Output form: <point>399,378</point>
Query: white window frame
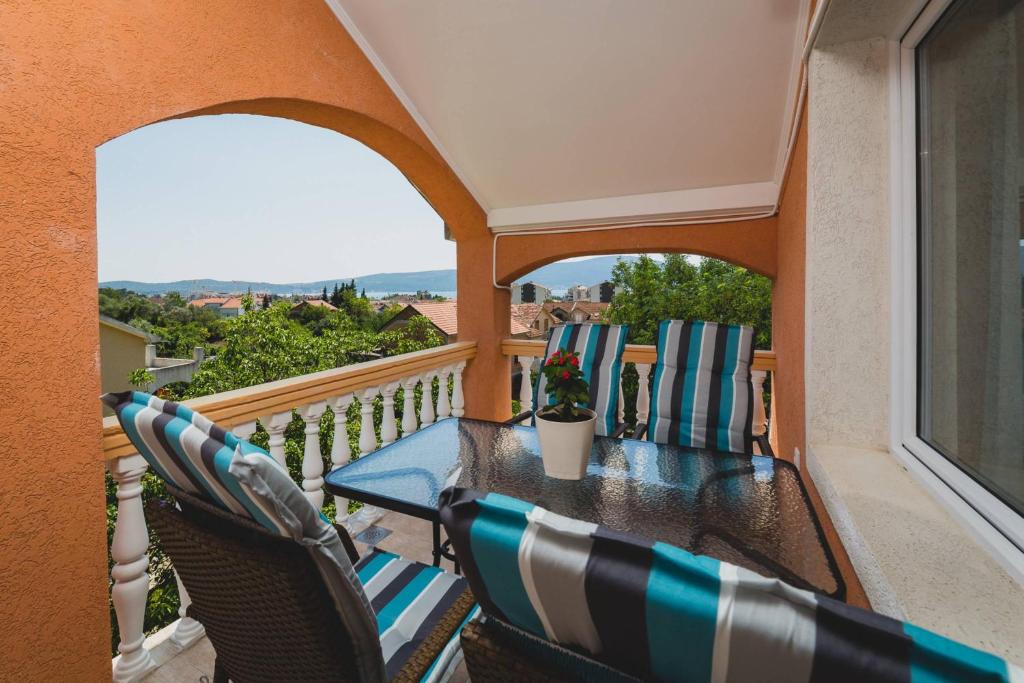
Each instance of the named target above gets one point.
<point>994,524</point>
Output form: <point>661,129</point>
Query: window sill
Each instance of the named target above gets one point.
<point>915,561</point>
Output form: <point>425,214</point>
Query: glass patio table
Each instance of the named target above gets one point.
<point>749,510</point>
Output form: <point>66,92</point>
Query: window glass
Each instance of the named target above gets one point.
<point>971,247</point>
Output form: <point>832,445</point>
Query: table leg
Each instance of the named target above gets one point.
<point>437,543</point>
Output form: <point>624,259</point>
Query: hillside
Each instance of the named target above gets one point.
<point>555,276</point>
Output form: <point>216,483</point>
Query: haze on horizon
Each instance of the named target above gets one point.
<point>240,197</point>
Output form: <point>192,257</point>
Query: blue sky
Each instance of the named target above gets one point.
<point>255,198</point>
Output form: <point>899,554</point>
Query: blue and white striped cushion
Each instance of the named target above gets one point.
<point>660,613</point>
<point>409,599</point>
<point>192,453</point>
<point>600,348</point>
<point>702,396</point>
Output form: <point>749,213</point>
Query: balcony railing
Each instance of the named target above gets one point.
<point>527,354</point>
<point>273,407</point>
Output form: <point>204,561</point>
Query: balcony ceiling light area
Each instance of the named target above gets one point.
<point>583,112</point>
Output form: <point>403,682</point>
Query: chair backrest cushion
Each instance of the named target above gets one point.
<point>600,347</point>
<point>702,396</point>
<point>192,453</point>
<point>658,612</point>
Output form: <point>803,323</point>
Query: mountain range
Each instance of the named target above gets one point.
<point>560,275</point>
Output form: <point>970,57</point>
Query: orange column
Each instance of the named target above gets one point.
<point>483,318</point>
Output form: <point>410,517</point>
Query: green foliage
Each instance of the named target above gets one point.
<point>712,290</point>
<point>678,289</point>
<point>141,378</point>
<point>263,345</point>
<point>566,383</point>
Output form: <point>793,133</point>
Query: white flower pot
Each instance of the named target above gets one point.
<point>565,446</point>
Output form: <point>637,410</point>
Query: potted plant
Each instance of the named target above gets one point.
<point>565,431</point>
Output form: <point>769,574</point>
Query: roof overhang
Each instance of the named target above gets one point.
<point>597,112</point>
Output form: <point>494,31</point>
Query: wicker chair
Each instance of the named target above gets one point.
<point>497,653</point>
<point>263,603</point>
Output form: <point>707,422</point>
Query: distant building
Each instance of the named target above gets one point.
<point>576,312</point>
<point>578,293</point>
<point>225,306</point>
<point>124,348</point>
<point>444,315</point>
<point>315,303</point>
<point>530,293</point>
<point>602,292</point>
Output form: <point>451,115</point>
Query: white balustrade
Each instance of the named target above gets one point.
<point>275,425</point>
<point>409,405</point>
<point>444,408</point>
<point>458,400</point>
<point>131,538</point>
<point>427,402</point>
<point>131,581</point>
<point>757,378</point>
<point>367,436</point>
<point>643,393</point>
<point>312,460</point>
<point>622,403</point>
<point>188,629</point>
<point>388,428</point>
<point>525,385</point>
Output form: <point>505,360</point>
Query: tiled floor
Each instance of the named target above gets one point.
<point>409,537</point>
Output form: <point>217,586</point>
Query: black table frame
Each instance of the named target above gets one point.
<point>443,549</point>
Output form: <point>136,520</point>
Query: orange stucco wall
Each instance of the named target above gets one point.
<point>751,244</point>
<point>74,75</point>
<point>788,306</point>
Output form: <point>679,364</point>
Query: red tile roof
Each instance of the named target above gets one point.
<point>444,314</point>
<point>316,302</point>
<point>219,300</point>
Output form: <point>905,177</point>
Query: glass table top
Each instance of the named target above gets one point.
<point>746,509</point>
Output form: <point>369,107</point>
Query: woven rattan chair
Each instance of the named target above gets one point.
<point>263,603</point>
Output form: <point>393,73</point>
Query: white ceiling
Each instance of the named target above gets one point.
<point>655,108</point>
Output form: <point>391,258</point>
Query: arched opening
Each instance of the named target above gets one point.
<point>641,290</point>
<point>235,250</point>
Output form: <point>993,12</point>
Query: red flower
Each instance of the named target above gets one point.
<point>575,361</point>
<point>565,375</point>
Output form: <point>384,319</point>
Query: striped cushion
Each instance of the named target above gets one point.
<point>409,599</point>
<point>702,395</point>
<point>657,612</point>
<point>600,348</point>
<point>193,454</point>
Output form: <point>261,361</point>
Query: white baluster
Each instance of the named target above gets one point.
<point>244,430</point>
<point>312,460</point>
<point>388,426</point>
<point>341,452</point>
<point>409,405</point>
<point>444,408</point>
<point>275,425</point>
<point>458,400</point>
<point>622,402</point>
<point>188,629</point>
<point>131,582</point>
<point>643,394</point>
<point>525,386</point>
<point>367,437</point>
<point>757,378</point>
<point>427,404</point>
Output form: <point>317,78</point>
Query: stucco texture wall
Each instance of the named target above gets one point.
<point>74,75</point>
<point>848,297</point>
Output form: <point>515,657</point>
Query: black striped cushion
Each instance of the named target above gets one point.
<point>409,599</point>
<point>702,396</point>
<point>600,348</point>
<point>193,454</point>
<point>660,613</point>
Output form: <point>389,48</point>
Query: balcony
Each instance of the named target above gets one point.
<point>180,650</point>
<point>770,135</point>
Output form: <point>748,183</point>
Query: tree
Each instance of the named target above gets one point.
<point>324,295</point>
<point>712,290</point>
<point>266,300</point>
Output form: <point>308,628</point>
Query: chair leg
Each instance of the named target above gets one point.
<point>220,675</point>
